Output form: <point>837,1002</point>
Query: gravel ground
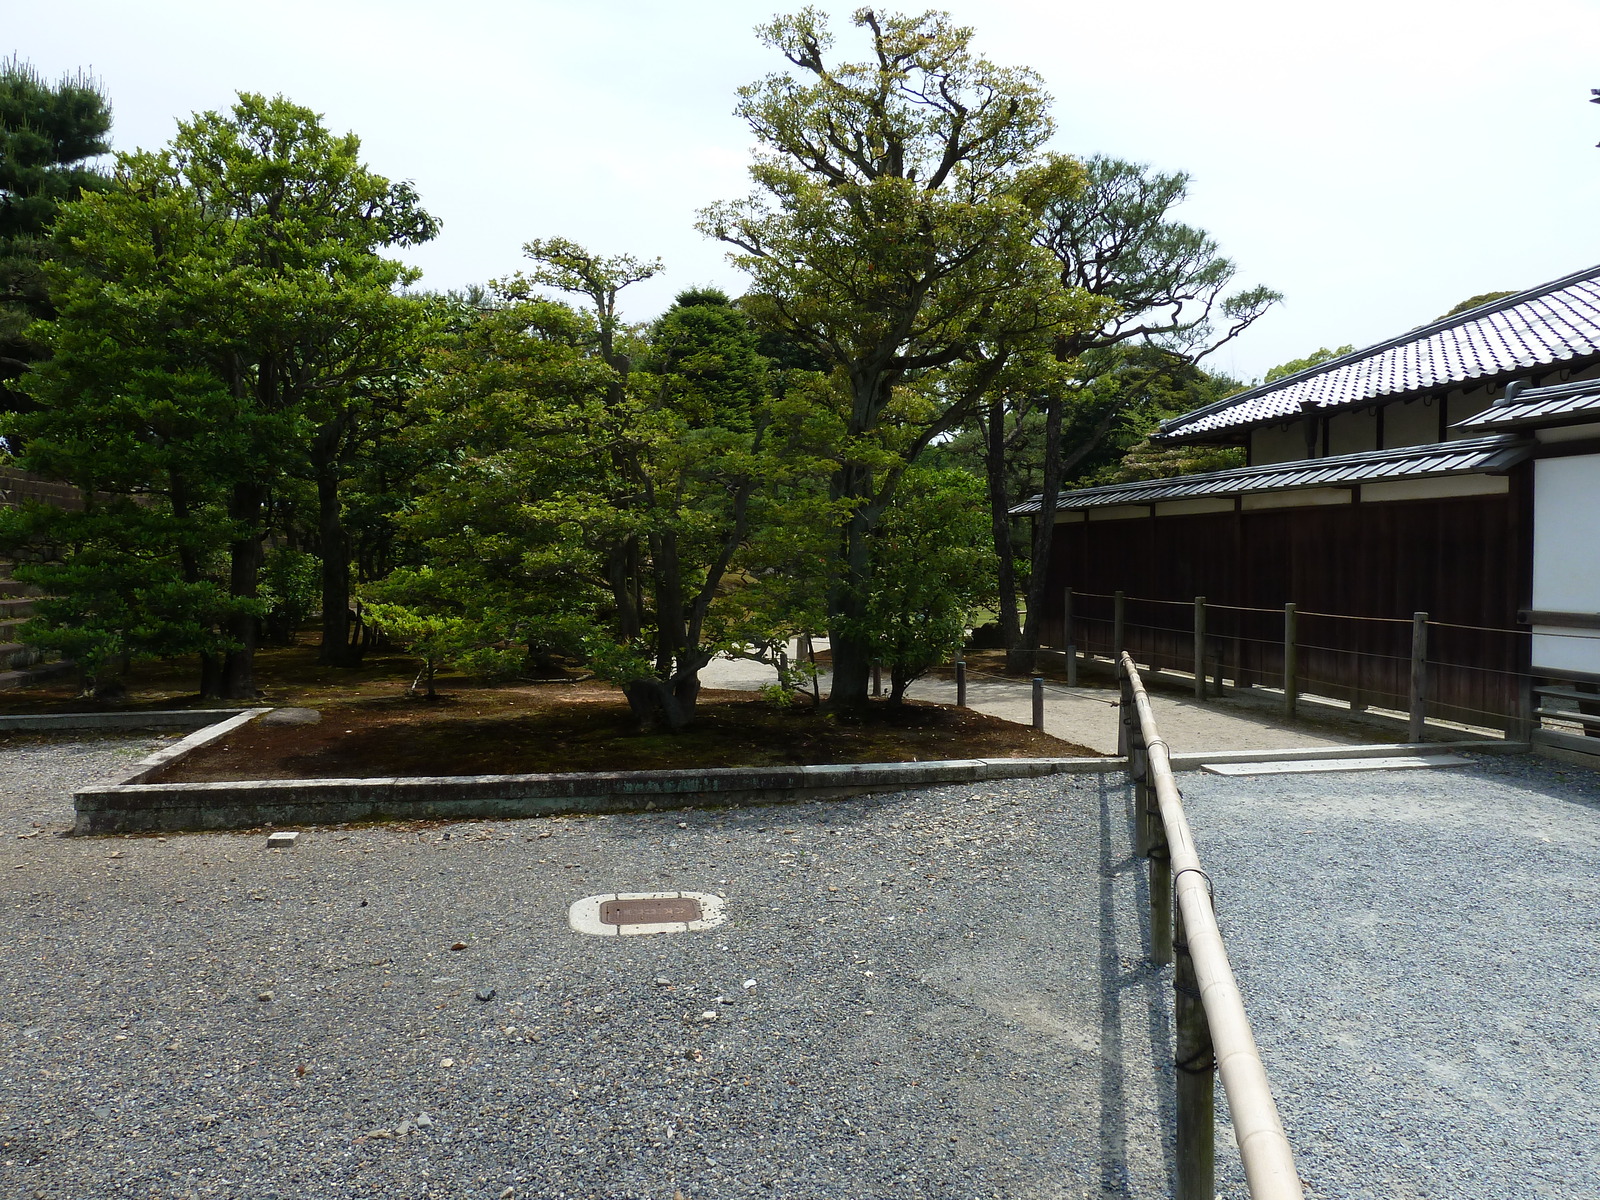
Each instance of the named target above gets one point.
<point>948,1002</point>
<point>1419,952</point>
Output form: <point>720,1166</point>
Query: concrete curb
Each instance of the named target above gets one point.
<point>193,718</point>
<point>247,804</point>
<point>1193,762</point>
<point>178,751</point>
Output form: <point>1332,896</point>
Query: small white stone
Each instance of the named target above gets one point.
<point>708,1016</point>
<point>423,1121</point>
<point>447,1062</point>
<point>749,983</point>
<point>282,840</point>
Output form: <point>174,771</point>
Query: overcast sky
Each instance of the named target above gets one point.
<point>1377,161</point>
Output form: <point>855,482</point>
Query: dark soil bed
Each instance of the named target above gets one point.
<point>587,727</point>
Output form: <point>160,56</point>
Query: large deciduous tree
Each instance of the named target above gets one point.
<point>888,236</point>
<point>227,299</point>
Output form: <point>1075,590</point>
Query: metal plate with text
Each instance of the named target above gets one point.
<point>649,912</point>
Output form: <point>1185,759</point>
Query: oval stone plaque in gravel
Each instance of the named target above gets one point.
<point>621,914</point>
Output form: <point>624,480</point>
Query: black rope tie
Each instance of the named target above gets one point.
<point>1203,1063</point>
<point>1211,891</point>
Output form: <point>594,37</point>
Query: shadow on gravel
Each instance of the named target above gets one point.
<point>1122,983</point>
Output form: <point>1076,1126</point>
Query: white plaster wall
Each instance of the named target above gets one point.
<point>1352,432</point>
<point>1278,443</point>
<point>1410,423</point>
<point>1566,558</point>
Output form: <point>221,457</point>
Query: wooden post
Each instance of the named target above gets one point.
<point>1291,664</point>
<point>1523,722</point>
<point>961,683</point>
<point>1072,665</point>
<point>877,679</point>
<point>1160,857</point>
<point>1199,647</point>
<point>1119,623</point>
<point>1124,714</point>
<point>1419,675</point>
<point>1038,701</point>
<point>1196,1062</point>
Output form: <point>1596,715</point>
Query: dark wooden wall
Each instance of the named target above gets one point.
<point>1463,561</point>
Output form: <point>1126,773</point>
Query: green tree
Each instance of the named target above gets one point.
<point>933,569</point>
<point>1470,303</point>
<point>888,236</point>
<point>49,136</point>
<point>1111,232</point>
<point>225,302</point>
<point>1295,365</point>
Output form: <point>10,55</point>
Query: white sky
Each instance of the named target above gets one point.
<point>1375,161</point>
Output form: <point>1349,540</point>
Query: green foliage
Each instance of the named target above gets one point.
<point>221,306</point>
<point>889,236</point>
<point>933,570</point>
<point>49,134</point>
<point>289,592</point>
<point>1295,365</point>
<point>1472,302</point>
<point>413,607</point>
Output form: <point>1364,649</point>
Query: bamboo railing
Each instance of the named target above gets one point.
<point>1213,1034</point>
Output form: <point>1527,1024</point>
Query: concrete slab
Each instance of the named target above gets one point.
<point>1304,766</point>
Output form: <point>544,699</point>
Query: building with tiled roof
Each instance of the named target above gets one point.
<point>1453,470</point>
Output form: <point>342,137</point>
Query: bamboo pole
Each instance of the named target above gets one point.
<point>1291,661</point>
<point>1199,647</point>
<point>1195,1063</point>
<point>1268,1161</point>
<point>1419,676</point>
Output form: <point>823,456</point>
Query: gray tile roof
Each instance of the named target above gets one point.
<point>1553,324</point>
<point>1559,404</point>
<point>1465,457</point>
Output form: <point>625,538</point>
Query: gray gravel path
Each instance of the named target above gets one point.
<point>949,1002</point>
<point>1419,952</point>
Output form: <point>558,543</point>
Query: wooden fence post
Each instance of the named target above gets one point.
<point>1199,647</point>
<point>1119,625</point>
<point>961,683</point>
<point>1072,666</point>
<point>1038,701</point>
<point>1196,1062</point>
<point>1419,676</point>
<point>1291,664</point>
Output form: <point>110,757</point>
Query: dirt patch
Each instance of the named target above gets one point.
<point>587,727</point>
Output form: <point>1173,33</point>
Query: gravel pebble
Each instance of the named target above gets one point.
<point>967,1015</point>
<point>1418,955</point>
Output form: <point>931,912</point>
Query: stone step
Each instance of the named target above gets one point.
<point>16,607</point>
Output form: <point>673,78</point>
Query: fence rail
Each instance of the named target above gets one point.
<point>1213,1035</point>
<point>1477,675</point>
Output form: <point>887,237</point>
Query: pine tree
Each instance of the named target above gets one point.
<point>49,136</point>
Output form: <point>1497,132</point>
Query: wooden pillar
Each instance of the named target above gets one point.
<point>1419,676</point>
<point>1199,647</point>
<point>1038,701</point>
<point>961,683</point>
<point>1160,882</point>
<point>1196,1063</point>
<point>1291,664</point>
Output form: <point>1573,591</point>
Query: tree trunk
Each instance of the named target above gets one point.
<point>338,648</point>
<point>210,676</point>
<point>1000,523</point>
<point>654,705</point>
<point>244,580</point>
<point>847,611</point>
<point>1020,658</point>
